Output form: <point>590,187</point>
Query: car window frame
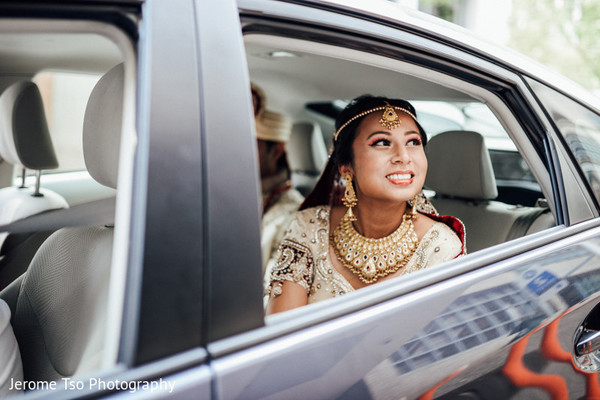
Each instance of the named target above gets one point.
<point>325,30</point>
<point>166,274</point>
<point>116,25</point>
<point>232,201</point>
<point>239,360</point>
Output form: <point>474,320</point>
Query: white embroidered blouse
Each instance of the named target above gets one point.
<point>304,256</point>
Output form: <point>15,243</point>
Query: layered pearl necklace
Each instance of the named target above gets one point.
<point>371,259</point>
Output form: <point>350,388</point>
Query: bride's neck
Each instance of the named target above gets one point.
<point>377,221</point>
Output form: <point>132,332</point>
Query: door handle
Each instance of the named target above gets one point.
<point>586,349</point>
<point>588,342</point>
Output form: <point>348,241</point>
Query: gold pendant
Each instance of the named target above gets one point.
<point>390,118</point>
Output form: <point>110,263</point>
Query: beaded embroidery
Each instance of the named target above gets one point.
<point>295,264</point>
<point>319,277</point>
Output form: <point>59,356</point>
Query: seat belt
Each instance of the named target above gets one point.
<point>97,212</point>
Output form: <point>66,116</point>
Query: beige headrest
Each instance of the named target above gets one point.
<point>102,127</point>
<point>24,135</point>
<point>460,166</point>
<point>273,126</point>
<point>306,148</point>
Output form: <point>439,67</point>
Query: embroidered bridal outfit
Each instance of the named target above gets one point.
<point>304,256</point>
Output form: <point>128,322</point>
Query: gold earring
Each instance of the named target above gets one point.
<point>414,204</point>
<point>349,199</point>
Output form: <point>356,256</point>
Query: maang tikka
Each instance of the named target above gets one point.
<point>349,199</point>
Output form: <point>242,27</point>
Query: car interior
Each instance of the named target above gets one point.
<point>27,145</point>
<point>67,95</point>
<point>477,171</point>
<point>83,254</point>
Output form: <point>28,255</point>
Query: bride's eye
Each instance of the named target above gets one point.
<point>414,142</point>
<point>379,142</point>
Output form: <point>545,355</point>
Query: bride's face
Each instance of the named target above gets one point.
<point>389,164</point>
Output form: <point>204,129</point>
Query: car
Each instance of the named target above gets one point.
<point>144,278</point>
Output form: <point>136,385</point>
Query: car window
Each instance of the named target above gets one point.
<point>580,129</point>
<point>309,88</point>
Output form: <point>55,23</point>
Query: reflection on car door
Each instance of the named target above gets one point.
<point>502,329</point>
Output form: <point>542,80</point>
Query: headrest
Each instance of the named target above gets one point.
<point>24,136</point>
<point>102,127</point>
<point>273,126</point>
<point>306,148</point>
<point>460,166</point>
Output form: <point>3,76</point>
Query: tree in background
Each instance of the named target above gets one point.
<point>562,34</point>
<point>440,8</point>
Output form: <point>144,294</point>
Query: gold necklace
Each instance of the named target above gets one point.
<point>371,259</point>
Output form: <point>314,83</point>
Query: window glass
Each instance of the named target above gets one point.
<point>580,127</point>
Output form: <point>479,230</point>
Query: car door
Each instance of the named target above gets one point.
<point>152,284</point>
<point>499,323</point>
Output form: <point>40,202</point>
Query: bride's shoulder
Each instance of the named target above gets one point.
<point>318,215</point>
<point>423,224</point>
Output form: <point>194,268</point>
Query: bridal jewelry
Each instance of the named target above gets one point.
<point>349,199</point>
<point>389,118</point>
<point>422,204</point>
<point>371,259</point>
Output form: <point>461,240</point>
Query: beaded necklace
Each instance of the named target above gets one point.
<point>371,259</point>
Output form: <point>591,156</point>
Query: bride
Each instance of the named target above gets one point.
<point>380,226</point>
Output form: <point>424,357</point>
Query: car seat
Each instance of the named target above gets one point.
<point>461,174</point>
<point>59,304</point>
<point>307,155</point>
<point>24,142</point>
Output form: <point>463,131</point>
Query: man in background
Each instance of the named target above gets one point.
<point>280,200</point>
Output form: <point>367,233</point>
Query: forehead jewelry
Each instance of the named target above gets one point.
<point>389,118</point>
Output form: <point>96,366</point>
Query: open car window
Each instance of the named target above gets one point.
<point>311,83</point>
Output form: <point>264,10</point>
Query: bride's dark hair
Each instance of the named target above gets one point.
<point>329,190</point>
